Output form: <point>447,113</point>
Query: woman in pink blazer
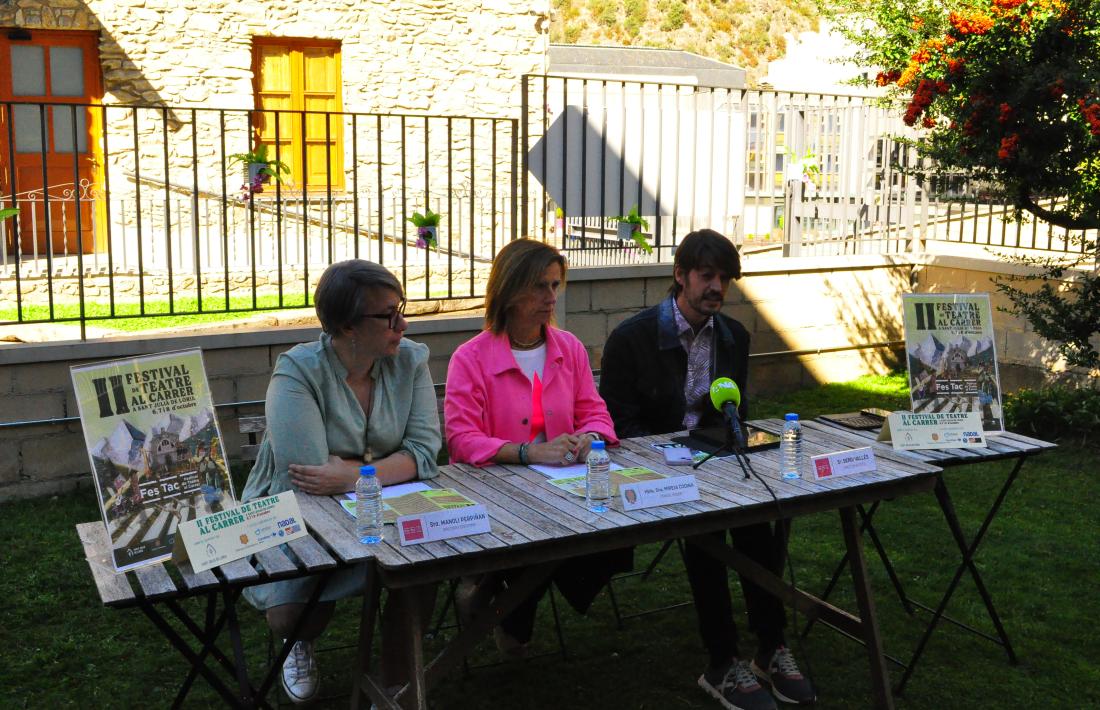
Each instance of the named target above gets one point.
<point>521,392</point>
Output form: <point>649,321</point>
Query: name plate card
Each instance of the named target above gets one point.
<point>663,491</point>
<point>234,533</point>
<point>442,524</point>
<point>936,430</point>
<point>843,463</point>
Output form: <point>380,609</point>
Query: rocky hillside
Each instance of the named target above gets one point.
<point>747,33</point>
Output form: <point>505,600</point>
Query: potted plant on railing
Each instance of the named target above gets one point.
<point>258,168</point>
<point>633,226</point>
<point>427,228</point>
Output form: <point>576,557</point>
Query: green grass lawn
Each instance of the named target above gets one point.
<point>60,648</point>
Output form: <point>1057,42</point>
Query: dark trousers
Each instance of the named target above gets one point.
<point>579,579</point>
<point>709,579</point>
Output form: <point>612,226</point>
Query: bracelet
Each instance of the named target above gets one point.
<point>523,453</point>
<point>595,435</point>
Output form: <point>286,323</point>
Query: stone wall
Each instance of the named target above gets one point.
<point>802,314</point>
<point>455,59</point>
<point>461,57</point>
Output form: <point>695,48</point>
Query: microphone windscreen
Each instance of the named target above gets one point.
<point>724,390</point>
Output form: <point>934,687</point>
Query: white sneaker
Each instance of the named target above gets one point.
<point>300,677</point>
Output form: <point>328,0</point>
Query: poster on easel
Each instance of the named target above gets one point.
<point>155,449</point>
<point>952,356</point>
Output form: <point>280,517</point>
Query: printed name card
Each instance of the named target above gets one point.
<point>843,463</point>
<point>935,430</point>
<point>234,533</point>
<point>663,491</point>
<point>442,524</point>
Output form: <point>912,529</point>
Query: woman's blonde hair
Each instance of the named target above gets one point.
<point>516,268</point>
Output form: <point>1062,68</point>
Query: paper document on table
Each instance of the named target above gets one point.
<point>575,485</point>
<point>578,469</point>
<point>397,490</point>
<point>421,501</point>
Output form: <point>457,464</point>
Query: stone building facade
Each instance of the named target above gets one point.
<point>180,83</point>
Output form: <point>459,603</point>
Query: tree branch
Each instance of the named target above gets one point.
<point>1058,219</point>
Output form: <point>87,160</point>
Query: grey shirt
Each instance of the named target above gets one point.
<point>312,413</point>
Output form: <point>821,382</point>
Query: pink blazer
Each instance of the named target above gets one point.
<point>488,401</point>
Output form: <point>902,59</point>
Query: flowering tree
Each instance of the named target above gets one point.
<point>1007,91</point>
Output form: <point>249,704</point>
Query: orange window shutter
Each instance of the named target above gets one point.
<point>275,78</point>
<point>321,92</point>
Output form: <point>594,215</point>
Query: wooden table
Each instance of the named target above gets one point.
<point>536,526</point>
<point>1014,449</point>
<point>153,590</point>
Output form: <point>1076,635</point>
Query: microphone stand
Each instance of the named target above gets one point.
<point>730,447</point>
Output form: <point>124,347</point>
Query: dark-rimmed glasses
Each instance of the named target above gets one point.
<point>391,317</point>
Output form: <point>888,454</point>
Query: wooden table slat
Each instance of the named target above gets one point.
<point>275,563</point>
<point>155,582</point>
<point>238,572</point>
<point>334,536</point>
<point>532,525</point>
<point>311,554</point>
<point>114,589</point>
<point>196,581</point>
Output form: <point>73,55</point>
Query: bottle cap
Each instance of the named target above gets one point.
<point>366,470</point>
<point>597,446</point>
<point>791,417</point>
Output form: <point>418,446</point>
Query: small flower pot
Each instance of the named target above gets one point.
<point>257,177</point>
<point>428,235</point>
<point>626,231</point>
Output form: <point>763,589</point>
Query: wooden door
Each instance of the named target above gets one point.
<point>48,138</point>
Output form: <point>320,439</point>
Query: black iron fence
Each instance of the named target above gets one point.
<point>129,211</point>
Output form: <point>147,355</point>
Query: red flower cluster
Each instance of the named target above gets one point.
<point>1091,112</point>
<point>1006,114</point>
<point>1009,146</point>
<point>1005,6</point>
<point>975,23</point>
<point>885,78</point>
<point>922,99</point>
<point>928,122</point>
<point>1057,89</point>
<point>955,66</point>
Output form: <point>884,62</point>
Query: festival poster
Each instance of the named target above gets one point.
<point>155,449</point>
<point>952,357</point>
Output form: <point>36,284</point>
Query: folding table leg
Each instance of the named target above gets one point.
<point>968,550</point>
<point>367,622</point>
<point>196,661</point>
<point>866,526</point>
<point>853,540</point>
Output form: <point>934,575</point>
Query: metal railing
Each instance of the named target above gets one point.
<point>153,213</point>
<point>146,211</point>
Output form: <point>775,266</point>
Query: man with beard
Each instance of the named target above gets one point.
<point>655,378</point>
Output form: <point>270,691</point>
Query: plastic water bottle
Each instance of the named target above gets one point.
<point>597,488</point>
<point>368,507</point>
<point>790,448</point>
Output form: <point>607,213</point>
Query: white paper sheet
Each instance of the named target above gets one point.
<point>578,469</point>
<point>398,490</point>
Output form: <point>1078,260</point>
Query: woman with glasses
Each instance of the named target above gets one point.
<point>521,392</point>
<point>360,394</point>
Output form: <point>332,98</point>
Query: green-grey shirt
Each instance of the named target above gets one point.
<point>312,413</point>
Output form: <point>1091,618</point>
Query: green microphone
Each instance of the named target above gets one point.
<point>726,397</point>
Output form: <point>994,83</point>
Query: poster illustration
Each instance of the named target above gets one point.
<point>155,449</point>
<point>951,355</point>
